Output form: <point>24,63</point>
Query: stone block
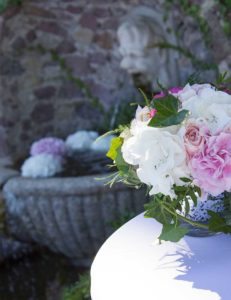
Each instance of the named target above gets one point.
<point>79,64</point>
<point>10,67</point>
<point>88,20</point>
<point>37,11</point>
<point>104,40</point>
<point>69,90</point>
<point>45,92</point>
<point>73,9</point>
<point>83,36</point>
<point>42,113</point>
<point>66,47</point>
<point>52,27</point>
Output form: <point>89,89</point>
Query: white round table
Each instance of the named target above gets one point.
<point>131,265</point>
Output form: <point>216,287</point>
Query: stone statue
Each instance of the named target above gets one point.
<point>140,35</point>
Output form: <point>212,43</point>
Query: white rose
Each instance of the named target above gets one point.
<point>143,114</point>
<point>42,165</point>
<point>207,105</point>
<point>159,157</point>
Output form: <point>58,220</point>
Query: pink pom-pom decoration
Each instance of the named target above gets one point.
<point>49,145</point>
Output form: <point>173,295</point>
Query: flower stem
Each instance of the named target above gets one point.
<point>197,224</point>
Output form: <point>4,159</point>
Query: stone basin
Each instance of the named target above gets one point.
<point>73,216</point>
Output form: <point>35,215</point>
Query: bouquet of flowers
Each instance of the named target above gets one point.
<point>179,146</point>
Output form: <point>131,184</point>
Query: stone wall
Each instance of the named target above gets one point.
<point>38,99</point>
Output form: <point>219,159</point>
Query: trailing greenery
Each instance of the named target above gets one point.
<point>80,290</point>
<point>193,10</point>
<point>225,11</point>
<point>122,220</point>
<point>5,3</point>
<point>200,64</point>
<point>84,88</point>
<point>119,113</point>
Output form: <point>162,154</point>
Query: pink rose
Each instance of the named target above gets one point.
<point>227,128</point>
<point>211,168</point>
<point>195,138</point>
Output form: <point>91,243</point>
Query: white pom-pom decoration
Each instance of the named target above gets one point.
<point>102,144</point>
<point>81,140</point>
<point>42,165</point>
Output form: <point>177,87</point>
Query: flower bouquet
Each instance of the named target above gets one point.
<point>179,146</point>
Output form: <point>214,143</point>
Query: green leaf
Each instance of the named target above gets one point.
<point>187,206</point>
<point>172,233</point>
<point>180,188</point>
<point>115,144</point>
<point>167,105</point>
<point>122,166</point>
<point>217,223</point>
<point>155,210</point>
<point>185,179</point>
<point>197,190</point>
<point>167,112</point>
<point>193,196</point>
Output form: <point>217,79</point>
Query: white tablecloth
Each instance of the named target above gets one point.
<point>131,265</point>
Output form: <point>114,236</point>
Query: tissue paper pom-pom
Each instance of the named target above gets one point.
<point>102,144</point>
<point>42,165</point>
<point>81,140</point>
<point>49,145</point>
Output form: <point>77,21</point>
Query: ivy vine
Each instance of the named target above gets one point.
<point>4,4</point>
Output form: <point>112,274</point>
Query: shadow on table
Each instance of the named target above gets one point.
<point>207,264</point>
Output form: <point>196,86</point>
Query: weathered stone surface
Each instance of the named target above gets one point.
<point>38,11</point>
<point>66,47</point>
<point>88,20</point>
<point>5,174</point>
<point>73,216</point>
<point>74,9</point>
<point>79,64</point>
<point>31,36</point>
<point>19,44</point>
<point>45,92</point>
<point>111,23</point>
<point>42,113</point>
<point>83,36</point>
<point>52,27</point>
<point>97,58</point>
<point>104,40</point>
<point>10,67</point>
<point>100,12</point>
<point>69,90</point>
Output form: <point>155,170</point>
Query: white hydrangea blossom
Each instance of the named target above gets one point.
<point>42,165</point>
<point>102,144</point>
<point>159,158</point>
<point>81,140</point>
